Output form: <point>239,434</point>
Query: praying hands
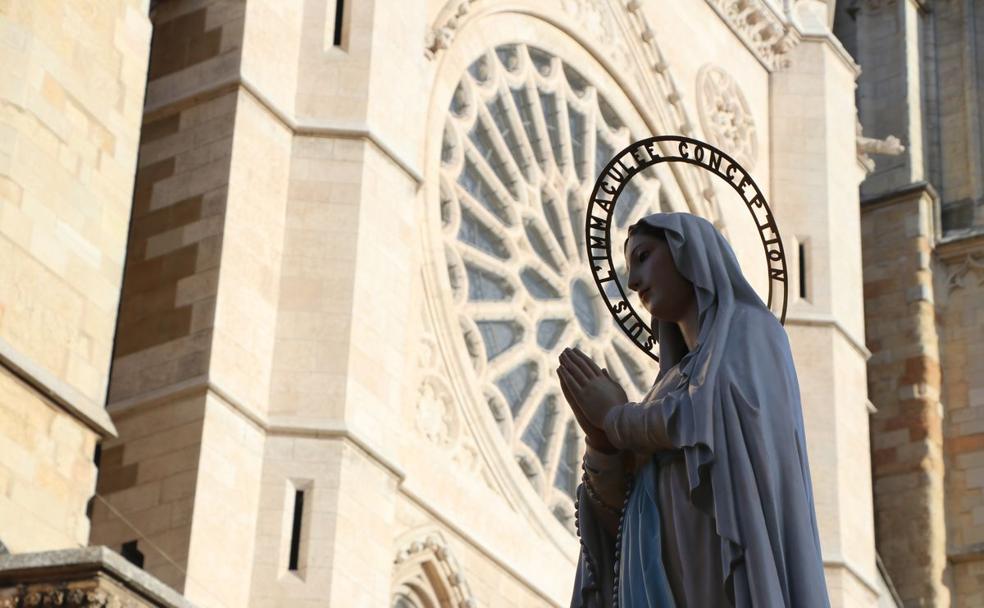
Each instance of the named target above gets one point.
<point>591,394</point>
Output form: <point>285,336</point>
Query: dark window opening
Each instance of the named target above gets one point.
<point>96,458</point>
<point>295,534</point>
<point>132,554</point>
<point>339,10</point>
<point>802,270</point>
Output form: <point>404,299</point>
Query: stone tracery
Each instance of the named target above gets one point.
<point>525,137</point>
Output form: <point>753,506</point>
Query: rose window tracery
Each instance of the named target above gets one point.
<point>525,138</point>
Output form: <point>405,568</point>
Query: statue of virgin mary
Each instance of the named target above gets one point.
<point>700,495</point>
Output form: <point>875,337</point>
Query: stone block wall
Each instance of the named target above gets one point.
<point>167,312</point>
<point>904,383</point>
<point>959,154</point>
<point>147,480</point>
<point>960,284</point>
<point>46,470</point>
<point>70,105</point>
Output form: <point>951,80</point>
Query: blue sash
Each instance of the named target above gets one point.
<point>642,577</point>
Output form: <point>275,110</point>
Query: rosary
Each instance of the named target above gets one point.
<point>618,537</point>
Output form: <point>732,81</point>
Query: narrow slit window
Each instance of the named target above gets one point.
<point>802,271</point>
<point>339,22</point>
<point>295,533</point>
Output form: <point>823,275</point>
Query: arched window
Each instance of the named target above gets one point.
<point>426,575</point>
<point>525,138</point>
<point>404,599</point>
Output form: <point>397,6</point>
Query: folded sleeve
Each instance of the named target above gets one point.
<point>638,427</point>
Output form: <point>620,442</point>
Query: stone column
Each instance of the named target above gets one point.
<point>904,383</point>
<point>815,179</point>
<point>195,337</point>
<point>262,341</point>
<point>348,308</point>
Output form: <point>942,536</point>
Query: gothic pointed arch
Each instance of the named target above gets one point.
<point>427,575</point>
<point>526,107</point>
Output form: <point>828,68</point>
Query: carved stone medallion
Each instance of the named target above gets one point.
<point>725,115</point>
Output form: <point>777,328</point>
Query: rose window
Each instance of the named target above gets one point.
<point>525,139</point>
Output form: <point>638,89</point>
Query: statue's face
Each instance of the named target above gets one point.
<point>665,293</point>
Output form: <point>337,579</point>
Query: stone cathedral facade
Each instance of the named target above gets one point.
<point>283,284</point>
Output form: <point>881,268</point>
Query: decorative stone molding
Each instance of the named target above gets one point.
<point>446,26</point>
<point>595,19</point>
<point>434,407</point>
<point>469,460</point>
<point>63,596</point>
<point>668,104</point>
<point>436,414</point>
<point>725,115</point>
<point>766,34</point>
<point>965,272</point>
<point>426,569</point>
<point>90,577</point>
<point>436,417</point>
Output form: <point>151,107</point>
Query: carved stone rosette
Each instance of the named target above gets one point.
<point>725,115</point>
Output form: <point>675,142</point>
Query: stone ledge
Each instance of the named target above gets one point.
<point>904,193</point>
<point>48,573</point>
<point>51,388</point>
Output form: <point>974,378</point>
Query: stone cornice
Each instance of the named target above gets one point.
<point>853,570</point>
<point>270,425</point>
<point>961,244</point>
<point>838,49</point>
<point>52,388</point>
<point>973,552</point>
<point>297,126</point>
<point>827,320</point>
<point>767,34</point>
<point>904,193</point>
<point>92,563</point>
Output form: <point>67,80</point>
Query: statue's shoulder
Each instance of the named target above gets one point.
<point>757,319</point>
<point>754,332</point>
